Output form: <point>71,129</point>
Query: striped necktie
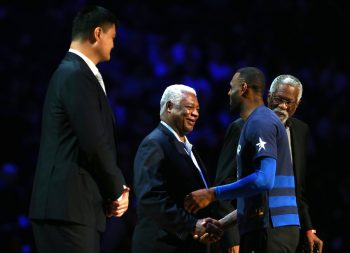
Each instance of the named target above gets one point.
<point>100,80</point>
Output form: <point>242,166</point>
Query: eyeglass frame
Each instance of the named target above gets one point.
<point>277,100</point>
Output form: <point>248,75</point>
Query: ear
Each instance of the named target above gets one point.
<point>244,88</point>
<point>169,106</point>
<point>97,33</point>
<point>268,97</point>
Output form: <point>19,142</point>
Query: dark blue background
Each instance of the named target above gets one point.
<point>201,44</point>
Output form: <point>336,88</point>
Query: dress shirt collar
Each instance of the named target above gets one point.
<point>187,144</point>
<point>91,65</point>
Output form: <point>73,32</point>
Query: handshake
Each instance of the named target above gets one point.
<point>208,230</point>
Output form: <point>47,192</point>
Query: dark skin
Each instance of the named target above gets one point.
<point>243,99</point>
<point>182,118</point>
<point>284,102</point>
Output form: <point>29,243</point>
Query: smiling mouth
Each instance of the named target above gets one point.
<point>191,121</point>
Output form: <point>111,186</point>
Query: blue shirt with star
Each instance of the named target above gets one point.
<point>263,135</point>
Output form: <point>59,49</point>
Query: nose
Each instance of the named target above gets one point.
<point>283,105</point>
<point>195,113</point>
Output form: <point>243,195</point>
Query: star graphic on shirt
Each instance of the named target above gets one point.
<point>261,144</point>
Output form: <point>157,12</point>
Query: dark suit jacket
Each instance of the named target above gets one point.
<point>77,165</point>
<point>163,175</point>
<point>226,172</point>
<point>299,133</point>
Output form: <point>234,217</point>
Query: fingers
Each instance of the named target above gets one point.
<point>213,221</point>
<point>117,210</point>
<point>203,236</point>
<point>190,204</point>
<point>206,238</point>
<point>319,246</point>
<point>214,230</point>
<point>125,193</point>
<point>196,200</point>
<point>120,212</point>
<point>233,249</point>
<point>207,232</point>
<point>118,207</point>
<point>311,247</point>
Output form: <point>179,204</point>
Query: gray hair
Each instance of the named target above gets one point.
<point>289,80</point>
<point>173,93</point>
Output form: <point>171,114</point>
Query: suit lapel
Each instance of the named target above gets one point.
<point>181,150</point>
<point>201,165</point>
<point>294,137</point>
<point>103,100</point>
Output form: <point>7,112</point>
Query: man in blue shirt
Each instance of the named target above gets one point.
<point>266,205</point>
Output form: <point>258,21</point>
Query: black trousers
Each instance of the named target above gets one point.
<point>64,237</point>
<point>271,240</point>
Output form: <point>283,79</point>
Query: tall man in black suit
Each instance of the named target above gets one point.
<point>166,169</point>
<point>284,97</point>
<point>77,180</point>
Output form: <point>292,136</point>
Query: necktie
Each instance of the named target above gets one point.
<point>100,80</point>
<point>290,143</point>
<point>190,149</point>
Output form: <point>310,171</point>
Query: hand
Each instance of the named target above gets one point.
<point>314,242</point>
<point>199,199</point>
<point>233,249</point>
<point>208,231</point>
<point>118,207</point>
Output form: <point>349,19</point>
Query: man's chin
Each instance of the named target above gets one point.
<point>283,119</point>
<point>189,129</point>
<point>234,110</point>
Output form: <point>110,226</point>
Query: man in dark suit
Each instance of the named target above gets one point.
<point>166,168</point>
<point>284,97</point>
<point>77,181</point>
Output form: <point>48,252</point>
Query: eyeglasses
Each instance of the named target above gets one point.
<point>278,100</point>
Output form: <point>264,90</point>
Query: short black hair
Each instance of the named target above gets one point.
<point>89,18</point>
<point>254,77</point>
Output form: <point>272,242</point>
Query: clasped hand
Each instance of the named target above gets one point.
<point>208,231</point>
<point>199,199</point>
<point>118,207</point>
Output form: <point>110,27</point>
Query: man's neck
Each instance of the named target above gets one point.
<point>249,107</point>
<point>85,48</point>
<point>181,137</point>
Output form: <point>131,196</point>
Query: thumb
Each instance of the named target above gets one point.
<point>126,189</point>
<point>124,193</point>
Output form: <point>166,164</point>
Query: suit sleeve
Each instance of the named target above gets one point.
<point>305,218</point>
<point>81,100</point>
<point>151,189</point>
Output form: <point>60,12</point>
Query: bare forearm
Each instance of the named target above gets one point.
<point>229,220</point>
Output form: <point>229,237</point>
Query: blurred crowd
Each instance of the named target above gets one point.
<point>198,43</point>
